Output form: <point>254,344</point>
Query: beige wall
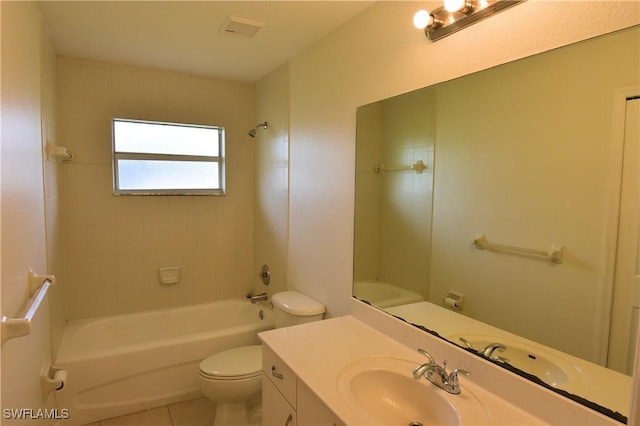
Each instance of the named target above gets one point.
<point>114,245</point>
<point>26,97</point>
<point>271,168</point>
<point>328,83</point>
<point>529,179</point>
<point>367,199</point>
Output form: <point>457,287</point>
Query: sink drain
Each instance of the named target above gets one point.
<point>415,424</point>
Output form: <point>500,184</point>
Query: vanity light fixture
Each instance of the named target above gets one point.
<point>455,15</point>
<point>461,6</point>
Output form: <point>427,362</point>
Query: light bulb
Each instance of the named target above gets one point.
<point>422,19</point>
<point>454,5</point>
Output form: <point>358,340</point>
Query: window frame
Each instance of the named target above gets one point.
<point>118,155</point>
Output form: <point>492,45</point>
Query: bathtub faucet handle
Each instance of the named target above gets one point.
<point>257,298</point>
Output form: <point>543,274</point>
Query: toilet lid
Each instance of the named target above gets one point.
<point>236,363</point>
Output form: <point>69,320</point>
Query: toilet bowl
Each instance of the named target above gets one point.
<point>233,378</point>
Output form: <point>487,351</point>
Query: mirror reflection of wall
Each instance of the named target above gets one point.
<point>522,153</point>
<point>394,205</point>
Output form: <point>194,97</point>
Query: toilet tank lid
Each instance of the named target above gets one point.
<point>297,303</point>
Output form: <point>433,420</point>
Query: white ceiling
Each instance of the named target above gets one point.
<point>185,35</point>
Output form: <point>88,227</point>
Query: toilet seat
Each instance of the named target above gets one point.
<point>239,363</point>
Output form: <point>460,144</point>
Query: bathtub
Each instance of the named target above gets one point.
<point>127,363</point>
<point>384,295</point>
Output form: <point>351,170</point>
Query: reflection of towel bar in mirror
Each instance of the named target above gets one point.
<point>417,167</point>
<point>553,255</point>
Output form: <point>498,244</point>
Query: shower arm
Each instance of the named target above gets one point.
<point>264,125</point>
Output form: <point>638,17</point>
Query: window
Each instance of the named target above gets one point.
<point>157,158</point>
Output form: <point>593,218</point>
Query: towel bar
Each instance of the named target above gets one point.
<point>553,255</point>
<point>17,327</point>
<point>417,167</point>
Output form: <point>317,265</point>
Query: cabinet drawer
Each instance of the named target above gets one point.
<point>276,411</point>
<point>279,374</point>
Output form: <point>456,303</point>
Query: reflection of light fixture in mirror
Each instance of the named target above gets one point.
<point>456,15</point>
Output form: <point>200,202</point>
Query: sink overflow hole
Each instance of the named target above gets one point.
<point>532,356</point>
<point>415,424</point>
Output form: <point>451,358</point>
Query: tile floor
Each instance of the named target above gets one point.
<point>195,412</point>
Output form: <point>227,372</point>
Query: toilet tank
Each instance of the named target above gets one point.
<point>293,308</point>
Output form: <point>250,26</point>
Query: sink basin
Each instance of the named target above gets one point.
<point>531,361</point>
<point>547,367</point>
<point>384,391</point>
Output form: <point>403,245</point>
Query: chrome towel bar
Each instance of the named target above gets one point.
<point>17,327</point>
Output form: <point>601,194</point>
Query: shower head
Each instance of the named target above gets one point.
<point>252,132</point>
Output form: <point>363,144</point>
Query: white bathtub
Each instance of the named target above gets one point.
<point>127,363</point>
<point>384,295</point>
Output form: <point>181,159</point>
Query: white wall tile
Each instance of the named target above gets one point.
<point>127,238</point>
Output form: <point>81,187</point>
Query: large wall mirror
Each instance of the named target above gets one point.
<point>500,210</point>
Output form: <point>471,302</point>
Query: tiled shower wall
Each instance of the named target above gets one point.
<point>271,202</point>
<point>114,245</point>
<point>393,209</point>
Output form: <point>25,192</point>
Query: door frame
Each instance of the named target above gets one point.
<point>616,154</point>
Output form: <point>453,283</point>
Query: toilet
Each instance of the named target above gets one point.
<point>233,379</point>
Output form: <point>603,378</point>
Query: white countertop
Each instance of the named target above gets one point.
<point>582,374</point>
<point>318,351</point>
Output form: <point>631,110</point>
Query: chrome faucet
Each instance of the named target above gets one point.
<point>491,348</point>
<point>488,350</point>
<point>421,370</point>
<point>257,297</point>
<point>437,374</point>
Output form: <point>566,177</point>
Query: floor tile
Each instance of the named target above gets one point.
<point>155,417</point>
<point>195,412</point>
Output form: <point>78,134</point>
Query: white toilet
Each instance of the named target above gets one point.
<point>232,378</point>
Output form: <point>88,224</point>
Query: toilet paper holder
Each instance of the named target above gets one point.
<point>52,378</point>
<point>453,300</point>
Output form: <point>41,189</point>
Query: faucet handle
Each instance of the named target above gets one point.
<point>461,371</point>
<point>453,377</point>
<point>454,383</point>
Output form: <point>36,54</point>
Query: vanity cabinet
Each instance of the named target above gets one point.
<point>278,391</point>
<point>276,410</point>
<point>287,401</point>
<point>312,411</point>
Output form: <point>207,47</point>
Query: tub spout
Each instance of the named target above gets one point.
<point>257,297</point>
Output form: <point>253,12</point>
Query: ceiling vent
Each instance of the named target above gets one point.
<point>241,26</point>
